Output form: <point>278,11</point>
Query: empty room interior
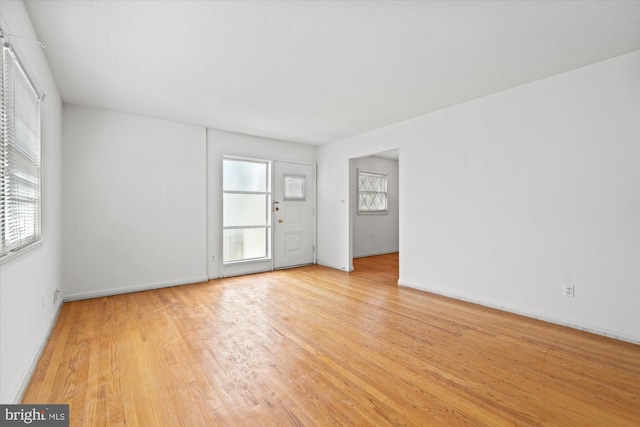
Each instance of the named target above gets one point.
<point>355,213</point>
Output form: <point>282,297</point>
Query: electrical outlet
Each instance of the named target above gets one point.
<point>568,290</point>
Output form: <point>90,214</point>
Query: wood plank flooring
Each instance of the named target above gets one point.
<point>318,347</point>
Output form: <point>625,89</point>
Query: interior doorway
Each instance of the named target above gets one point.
<point>374,226</point>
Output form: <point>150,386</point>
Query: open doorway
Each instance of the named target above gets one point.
<point>374,200</point>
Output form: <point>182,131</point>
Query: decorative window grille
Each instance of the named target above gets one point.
<point>372,192</point>
<point>20,199</point>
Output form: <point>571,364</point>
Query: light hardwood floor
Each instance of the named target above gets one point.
<point>313,346</point>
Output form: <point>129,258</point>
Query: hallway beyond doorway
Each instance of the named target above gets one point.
<point>381,269</point>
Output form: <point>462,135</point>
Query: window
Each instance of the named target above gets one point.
<point>19,156</point>
<point>372,192</point>
<point>295,187</point>
<point>246,217</point>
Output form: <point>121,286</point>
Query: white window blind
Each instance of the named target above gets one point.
<point>19,156</point>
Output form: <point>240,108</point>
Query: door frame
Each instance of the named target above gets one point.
<point>240,268</point>
<point>353,194</point>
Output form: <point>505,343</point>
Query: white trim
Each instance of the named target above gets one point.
<point>516,310</point>
<point>134,288</point>
<point>16,396</point>
<point>334,266</point>
<point>17,253</point>
<point>384,212</point>
<point>207,248</point>
<point>374,253</point>
<point>15,47</point>
<point>254,266</point>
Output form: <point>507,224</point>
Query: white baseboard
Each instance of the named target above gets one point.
<point>16,396</point>
<point>375,253</point>
<point>336,267</point>
<point>134,288</point>
<point>517,310</point>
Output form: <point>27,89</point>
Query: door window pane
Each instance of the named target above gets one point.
<point>294,187</point>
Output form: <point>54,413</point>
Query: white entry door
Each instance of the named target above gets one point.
<point>293,214</point>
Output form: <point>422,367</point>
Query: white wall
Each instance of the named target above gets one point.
<point>505,198</point>
<point>375,234</point>
<point>32,278</point>
<point>219,144</point>
<point>134,203</point>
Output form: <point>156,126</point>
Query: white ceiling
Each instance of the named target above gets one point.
<point>316,71</point>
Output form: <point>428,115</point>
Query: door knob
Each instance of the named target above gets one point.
<point>280,221</point>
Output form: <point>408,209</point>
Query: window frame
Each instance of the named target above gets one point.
<point>17,238</point>
<point>385,193</point>
<point>267,226</point>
